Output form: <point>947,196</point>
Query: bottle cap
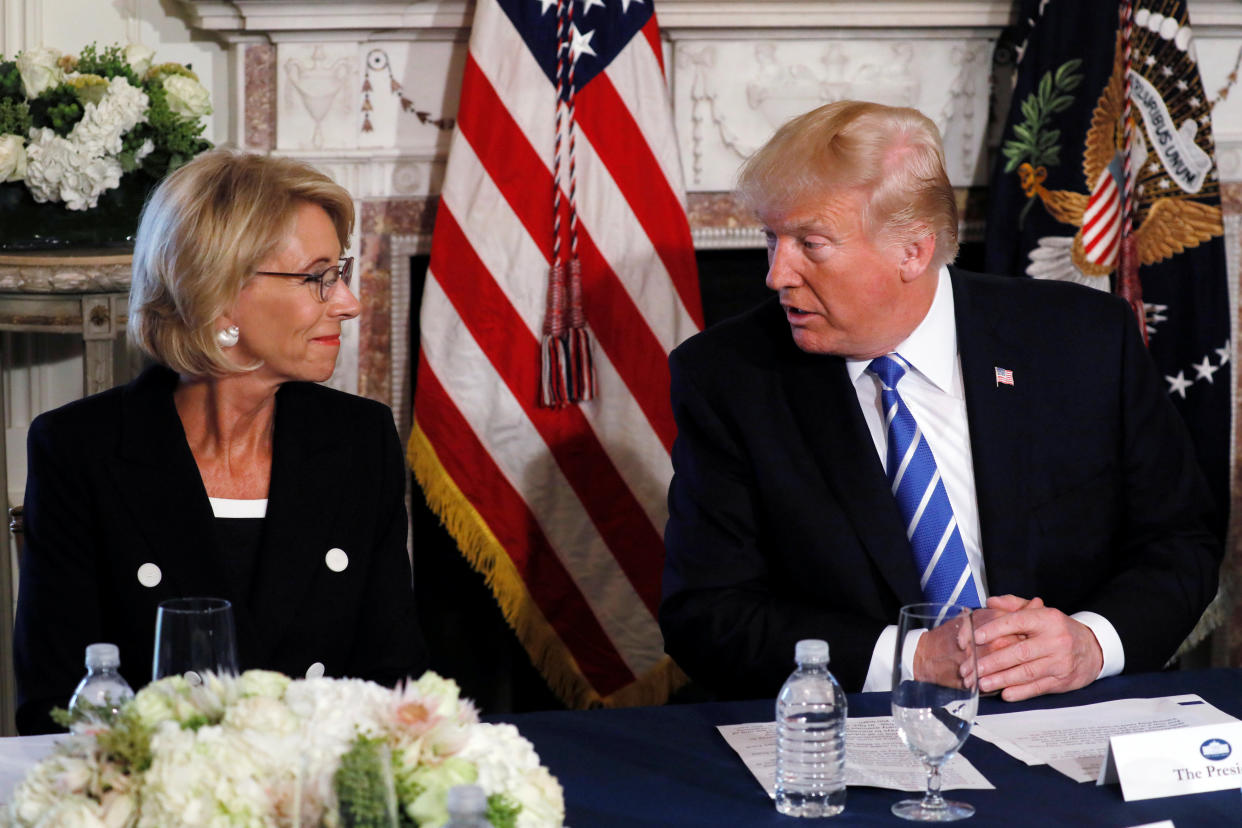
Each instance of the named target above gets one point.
<point>102,655</point>
<point>811,651</point>
<point>466,800</point>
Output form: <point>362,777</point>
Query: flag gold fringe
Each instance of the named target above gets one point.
<point>484,552</point>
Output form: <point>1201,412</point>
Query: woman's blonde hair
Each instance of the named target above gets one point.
<point>203,232</point>
<point>892,156</point>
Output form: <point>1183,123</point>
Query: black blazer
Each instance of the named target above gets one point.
<point>782,525</point>
<point>112,485</point>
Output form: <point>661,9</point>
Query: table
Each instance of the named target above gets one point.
<point>668,766</point>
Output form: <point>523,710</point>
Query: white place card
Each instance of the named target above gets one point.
<point>1175,762</point>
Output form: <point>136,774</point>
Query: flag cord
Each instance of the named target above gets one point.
<point>567,373</point>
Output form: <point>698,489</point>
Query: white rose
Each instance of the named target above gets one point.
<point>187,96</point>
<point>438,693</point>
<point>39,70</point>
<point>12,158</point>
<point>139,58</point>
<point>259,682</point>
<point>153,705</point>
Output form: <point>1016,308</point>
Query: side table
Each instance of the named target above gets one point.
<point>83,293</point>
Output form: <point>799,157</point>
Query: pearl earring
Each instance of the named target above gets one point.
<point>227,337</point>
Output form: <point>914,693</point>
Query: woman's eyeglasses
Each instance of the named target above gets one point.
<point>342,271</point>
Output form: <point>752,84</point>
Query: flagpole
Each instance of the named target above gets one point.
<point>1129,287</point>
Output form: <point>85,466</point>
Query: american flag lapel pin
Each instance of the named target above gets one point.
<point>1004,376</point>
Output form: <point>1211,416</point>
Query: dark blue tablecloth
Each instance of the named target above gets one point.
<point>669,766</point>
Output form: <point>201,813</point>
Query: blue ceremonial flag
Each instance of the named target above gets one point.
<point>1058,192</point>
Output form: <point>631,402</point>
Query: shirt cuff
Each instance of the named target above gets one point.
<point>1110,643</point>
<point>880,672</point>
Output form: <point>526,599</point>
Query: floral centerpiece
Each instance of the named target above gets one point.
<point>263,750</point>
<point>84,139</point>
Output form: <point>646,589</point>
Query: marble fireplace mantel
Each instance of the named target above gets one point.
<point>736,68</point>
<point>283,16</point>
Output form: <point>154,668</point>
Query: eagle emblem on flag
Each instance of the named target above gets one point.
<point>1171,165</point>
<point>1118,86</point>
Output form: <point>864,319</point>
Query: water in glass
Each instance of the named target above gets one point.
<point>935,698</point>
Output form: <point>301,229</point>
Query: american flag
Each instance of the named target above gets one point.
<point>563,509</point>
<point>1004,376</point>
<point>1101,221</point>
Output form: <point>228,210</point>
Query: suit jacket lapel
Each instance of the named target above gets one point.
<point>825,406</point>
<point>307,468</point>
<point>999,418</point>
<point>159,482</point>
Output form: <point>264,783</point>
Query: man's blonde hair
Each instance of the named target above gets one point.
<point>203,233</point>
<point>891,156</point>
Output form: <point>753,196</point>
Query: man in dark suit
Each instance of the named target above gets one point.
<point>1076,504</point>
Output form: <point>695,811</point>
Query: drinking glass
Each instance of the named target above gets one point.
<point>935,698</point>
<point>194,636</point>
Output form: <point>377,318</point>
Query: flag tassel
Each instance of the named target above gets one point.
<point>555,374</point>
<point>581,364</point>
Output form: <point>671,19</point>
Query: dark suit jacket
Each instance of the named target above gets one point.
<point>112,485</point>
<point>782,525</point>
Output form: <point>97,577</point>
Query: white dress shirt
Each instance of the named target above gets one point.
<point>934,392</point>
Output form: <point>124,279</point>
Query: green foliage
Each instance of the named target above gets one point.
<point>177,139</point>
<point>1036,141</point>
<point>121,736</point>
<point>110,63</point>
<point>14,117</point>
<point>11,81</point>
<point>502,812</point>
<point>58,108</point>
<point>128,741</point>
<point>407,790</point>
<point>363,784</point>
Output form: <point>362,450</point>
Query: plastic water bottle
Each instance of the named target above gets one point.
<point>467,807</point>
<point>103,686</point>
<point>810,741</point>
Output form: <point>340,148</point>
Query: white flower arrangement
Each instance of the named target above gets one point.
<point>262,750</point>
<point>72,127</point>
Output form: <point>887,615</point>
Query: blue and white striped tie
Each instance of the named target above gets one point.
<point>944,570</point>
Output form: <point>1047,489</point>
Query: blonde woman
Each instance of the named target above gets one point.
<point>224,470</point>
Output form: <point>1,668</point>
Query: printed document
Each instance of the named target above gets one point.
<point>874,757</point>
<point>1074,740</point>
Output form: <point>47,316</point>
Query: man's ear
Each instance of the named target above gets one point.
<point>916,256</point>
